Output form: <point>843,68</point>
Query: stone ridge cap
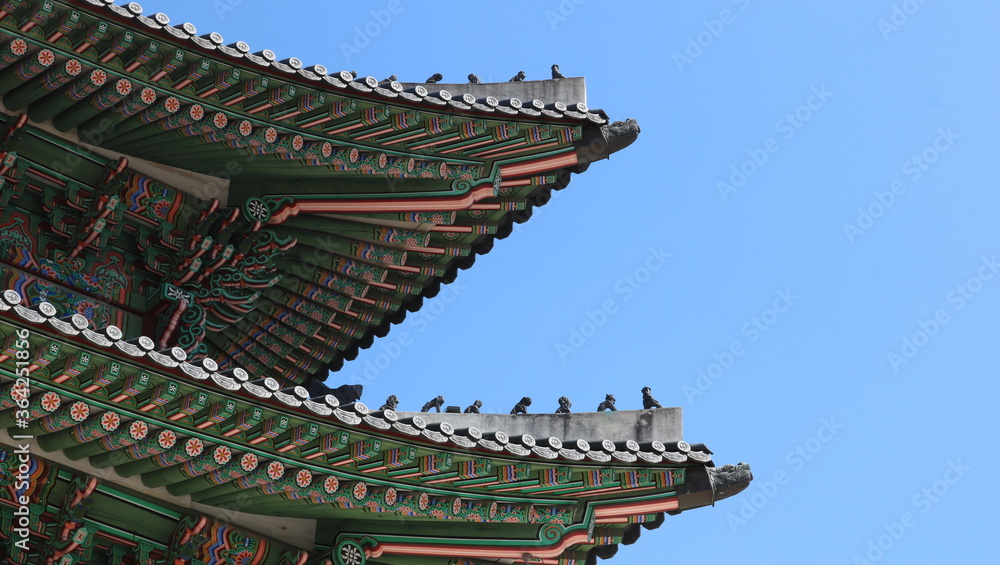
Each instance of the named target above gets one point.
<point>427,428</point>
<point>422,94</point>
<point>662,424</point>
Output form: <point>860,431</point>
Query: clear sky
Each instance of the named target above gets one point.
<point>800,250</point>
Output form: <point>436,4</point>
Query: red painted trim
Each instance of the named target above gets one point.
<point>480,551</point>
<point>567,159</point>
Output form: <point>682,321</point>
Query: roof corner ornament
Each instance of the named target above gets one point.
<point>522,406</point>
<point>520,76</point>
<point>564,405</point>
<point>729,480</point>
<point>345,394</point>
<point>434,78</point>
<point>613,138</point>
<point>390,403</point>
<point>556,73</point>
<point>608,404</point>
<point>474,407</point>
<point>435,403</point>
<point>647,399</point>
<point>473,79</point>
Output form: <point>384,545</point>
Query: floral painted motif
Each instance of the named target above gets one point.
<point>73,67</point>
<point>303,478</point>
<point>424,502</point>
<point>20,391</point>
<point>391,496</point>
<point>138,430</point>
<point>275,470</point>
<point>194,447</point>
<point>18,47</point>
<point>248,462</point>
<point>245,127</point>
<point>360,490</point>
<point>220,120</point>
<point>331,484</point>
<point>197,112</point>
<point>50,401</point>
<point>160,208</point>
<point>148,95</point>
<point>110,421</point>
<point>98,77</point>
<point>297,142</point>
<point>172,104</point>
<point>79,411</point>
<point>123,86</point>
<point>271,135</point>
<point>166,439</point>
<point>327,149</point>
<point>222,455</point>
<point>86,309</point>
<point>46,57</point>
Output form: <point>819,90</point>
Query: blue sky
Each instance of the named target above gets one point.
<point>815,186</point>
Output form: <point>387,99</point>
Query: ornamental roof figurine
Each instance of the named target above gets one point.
<point>564,405</point>
<point>434,78</point>
<point>556,73</point>
<point>390,78</point>
<point>518,77</point>
<point>435,403</point>
<point>522,406</point>
<point>647,399</point>
<point>608,404</point>
<point>474,407</point>
<point>390,403</point>
<point>473,79</point>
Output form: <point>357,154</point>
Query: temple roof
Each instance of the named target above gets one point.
<point>193,234</point>
<point>305,212</point>
<point>227,437</point>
